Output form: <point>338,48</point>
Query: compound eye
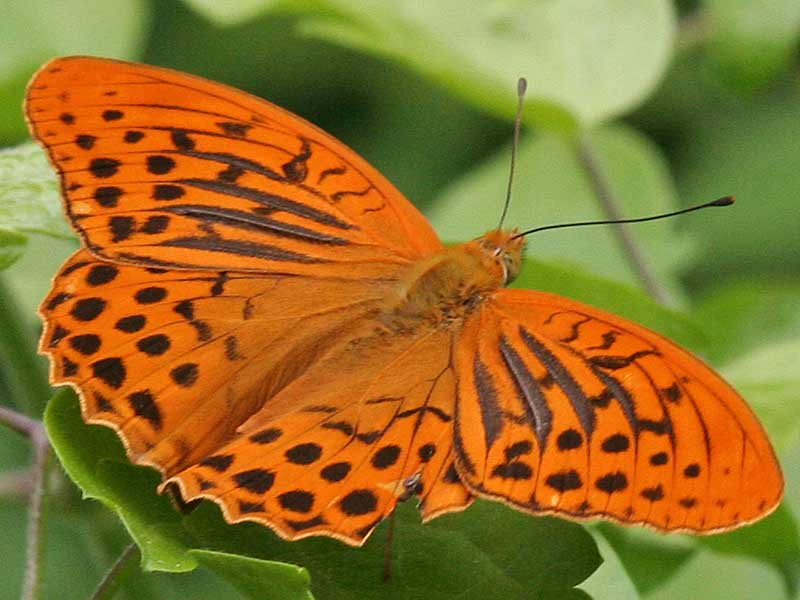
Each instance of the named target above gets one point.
<point>511,267</point>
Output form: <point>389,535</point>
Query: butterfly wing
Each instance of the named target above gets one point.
<point>364,428</point>
<point>164,169</point>
<point>563,408</point>
<point>176,360</point>
<point>232,252</point>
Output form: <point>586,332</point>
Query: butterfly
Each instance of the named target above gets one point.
<point>264,319</point>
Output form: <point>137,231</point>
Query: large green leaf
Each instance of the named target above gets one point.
<point>34,31</point>
<point>649,558</point>
<point>231,12</point>
<point>712,576</point>
<point>774,541</point>
<point>94,460</point>
<point>487,551</point>
<point>736,150</point>
<point>769,378</point>
<point>29,195</point>
<point>751,42</point>
<point>586,61</point>
<point>250,575</point>
<point>12,247</point>
<point>611,580</point>
<point>741,315</point>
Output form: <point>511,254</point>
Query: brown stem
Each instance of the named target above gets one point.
<point>113,578</point>
<point>608,201</point>
<point>17,484</point>
<point>35,431</point>
<point>19,422</point>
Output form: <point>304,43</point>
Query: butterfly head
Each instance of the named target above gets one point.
<point>502,250</point>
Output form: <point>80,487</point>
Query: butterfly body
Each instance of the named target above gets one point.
<point>444,288</point>
<point>266,320</point>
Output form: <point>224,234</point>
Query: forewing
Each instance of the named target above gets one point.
<point>160,168</point>
<point>563,408</point>
<point>174,360</point>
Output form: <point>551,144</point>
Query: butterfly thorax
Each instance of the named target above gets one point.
<point>445,287</point>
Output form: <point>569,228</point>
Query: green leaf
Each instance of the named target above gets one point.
<point>255,578</point>
<point>37,30</point>
<point>12,246</point>
<point>744,314</point>
<point>649,558</point>
<point>585,62</point>
<point>552,187</point>
<point>712,576</point>
<point>773,540</point>
<point>231,12</point>
<point>29,196</point>
<point>752,42</point>
<point>487,551</point>
<point>93,459</point>
<point>611,580</point>
<point>768,377</point>
<point>741,151</point>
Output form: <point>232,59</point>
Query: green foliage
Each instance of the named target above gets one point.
<point>480,53</point>
<point>676,110</point>
<point>35,30</point>
<point>752,42</point>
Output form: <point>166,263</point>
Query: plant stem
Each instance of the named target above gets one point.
<point>115,575</point>
<point>25,371</point>
<point>16,485</point>
<point>587,156</point>
<point>35,431</point>
<point>18,422</point>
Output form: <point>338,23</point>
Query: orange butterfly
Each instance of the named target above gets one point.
<point>267,321</point>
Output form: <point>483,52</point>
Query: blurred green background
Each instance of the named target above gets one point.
<point>675,102</point>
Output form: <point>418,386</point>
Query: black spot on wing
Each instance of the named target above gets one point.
<point>103,168</point>
<point>564,481</point>
<point>386,457</point>
<point>358,502</point>
<point>304,454</point>
<point>144,405</point>
<point>266,436</point>
<point>218,462</point>
<point>88,309</point>
<point>257,481</point>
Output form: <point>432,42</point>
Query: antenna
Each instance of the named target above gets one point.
<point>522,85</point>
<point>725,201</point>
